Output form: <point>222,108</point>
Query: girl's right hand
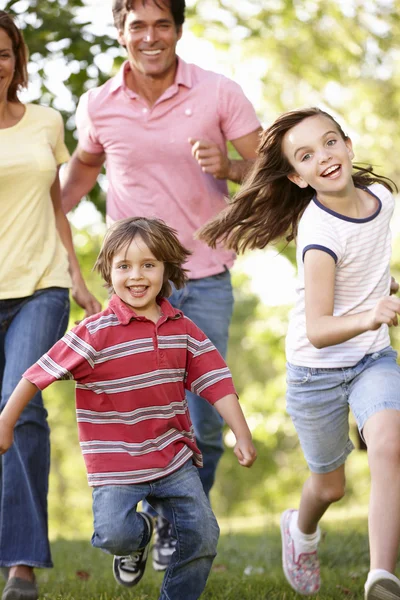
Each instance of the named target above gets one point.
<point>385,312</point>
<point>6,436</point>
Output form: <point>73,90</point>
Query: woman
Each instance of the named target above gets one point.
<point>38,266</point>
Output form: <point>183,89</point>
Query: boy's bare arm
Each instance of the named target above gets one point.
<point>230,410</point>
<point>20,397</point>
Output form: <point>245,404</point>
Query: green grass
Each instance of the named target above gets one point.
<point>83,573</point>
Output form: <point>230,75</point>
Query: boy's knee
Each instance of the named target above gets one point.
<point>117,538</point>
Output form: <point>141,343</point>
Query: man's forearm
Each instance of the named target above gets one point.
<point>78,179</point>
<point>238,169</point>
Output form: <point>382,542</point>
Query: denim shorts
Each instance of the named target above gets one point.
<point>318,401</point>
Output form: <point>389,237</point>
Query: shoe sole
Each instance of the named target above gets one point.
<point>284,562</point>
<point>383,589</point>
<point>158,567</point>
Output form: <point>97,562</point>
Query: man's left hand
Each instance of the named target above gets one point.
<point>210,158</point>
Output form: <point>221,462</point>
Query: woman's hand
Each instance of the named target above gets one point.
<point>84,298</point>
<point>6,436</point>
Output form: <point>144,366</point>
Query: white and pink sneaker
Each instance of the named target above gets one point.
<point>301,570</point>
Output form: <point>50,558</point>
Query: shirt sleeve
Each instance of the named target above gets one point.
<point>236,113</point>
<point>60,150</point>
<point>72,357</point>
<point>87,136</point>
<point>313,235</point>
<point>207,373</point>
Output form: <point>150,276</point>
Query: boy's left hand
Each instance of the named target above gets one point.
<point>245,452</point>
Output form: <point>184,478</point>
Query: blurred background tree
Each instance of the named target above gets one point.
<point>343,56</point>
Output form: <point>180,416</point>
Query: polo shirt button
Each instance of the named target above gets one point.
<point>145,110</point>
<point>188,112</point>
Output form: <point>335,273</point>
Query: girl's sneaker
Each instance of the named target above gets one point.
<point>301,570</point>
<point>129,570</point>
<point>382,585</point>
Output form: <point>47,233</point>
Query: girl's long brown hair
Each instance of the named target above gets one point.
<point>268,205</point>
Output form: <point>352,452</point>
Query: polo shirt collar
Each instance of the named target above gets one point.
<point>183,76</point>
<point>126,314</point>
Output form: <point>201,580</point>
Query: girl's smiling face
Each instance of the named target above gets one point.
<point>319,155</point>
<point>137,277</point>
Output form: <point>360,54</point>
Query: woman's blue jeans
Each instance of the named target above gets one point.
<point>28,328</point>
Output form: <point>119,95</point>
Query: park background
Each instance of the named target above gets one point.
<point>343,56</point>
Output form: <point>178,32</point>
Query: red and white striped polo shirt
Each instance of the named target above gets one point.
<point>131,374</point>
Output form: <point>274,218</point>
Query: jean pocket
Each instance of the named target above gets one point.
<point>297,375</point>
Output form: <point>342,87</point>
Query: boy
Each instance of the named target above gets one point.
<point>132,363</point>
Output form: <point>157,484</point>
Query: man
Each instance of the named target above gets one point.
<point>161,126</point>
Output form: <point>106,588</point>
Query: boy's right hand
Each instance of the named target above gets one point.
<point>6,436</point>
<point>245,452</point>
<point>385,312</point>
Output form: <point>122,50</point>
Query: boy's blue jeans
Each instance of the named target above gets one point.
<point>178,497</point>
<point>28,328</point>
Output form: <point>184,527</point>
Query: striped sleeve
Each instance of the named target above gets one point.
<point>207,374</point>
<point>72,357</point>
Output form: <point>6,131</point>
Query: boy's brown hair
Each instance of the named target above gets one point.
<point>158,237</point>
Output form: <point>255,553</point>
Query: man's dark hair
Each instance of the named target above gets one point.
<point>121,8</point>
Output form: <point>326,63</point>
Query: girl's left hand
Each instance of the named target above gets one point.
<point>245,452</point>
<point>85,299</point>
<point>394,286</point>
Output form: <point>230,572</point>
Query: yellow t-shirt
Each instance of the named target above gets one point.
<point>32,254</point>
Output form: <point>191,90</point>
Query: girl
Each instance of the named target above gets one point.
<point>337,346</point>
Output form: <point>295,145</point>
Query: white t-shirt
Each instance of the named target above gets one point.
<point>362,250</point>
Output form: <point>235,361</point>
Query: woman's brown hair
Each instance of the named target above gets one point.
<point>268,205</point>
<point>20,50</point>
<point>158,237</point>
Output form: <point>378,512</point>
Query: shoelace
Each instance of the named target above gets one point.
<point>129,563</point>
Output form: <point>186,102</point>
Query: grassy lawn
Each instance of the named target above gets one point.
<point>247,567</point>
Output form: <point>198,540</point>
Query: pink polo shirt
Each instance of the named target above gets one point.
<point>150,169</point>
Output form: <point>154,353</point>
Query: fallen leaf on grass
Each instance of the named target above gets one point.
<point>84,575</point>
<point>220,568</point>
<point>344,590</point>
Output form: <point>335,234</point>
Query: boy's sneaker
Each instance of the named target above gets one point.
<point>302,571</point>
<point>382,585</point>
<point>129,570</point>
<point>164,544</point>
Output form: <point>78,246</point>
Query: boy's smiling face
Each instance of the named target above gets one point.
<point>137,277</point>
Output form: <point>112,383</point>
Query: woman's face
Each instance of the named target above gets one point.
<point>7,63</point>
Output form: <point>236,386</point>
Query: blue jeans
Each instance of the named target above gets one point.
<point>179,497</point>
<point>318,401</point>
<point>208,302</point>
<point>28,328</point>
